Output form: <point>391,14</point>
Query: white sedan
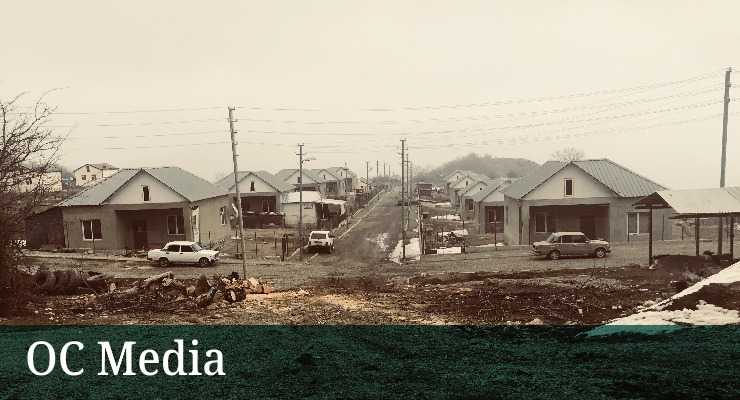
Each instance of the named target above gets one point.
<point>182,253</point>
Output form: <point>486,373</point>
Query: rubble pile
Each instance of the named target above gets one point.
<point>158,292</point>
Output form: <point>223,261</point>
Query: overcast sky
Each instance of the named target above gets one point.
<point>638,82</point>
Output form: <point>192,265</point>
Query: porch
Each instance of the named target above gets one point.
<point>152,228</point>
<point>591,219</point>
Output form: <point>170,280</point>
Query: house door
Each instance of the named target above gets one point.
<point>140,238</point>
<point>588,226</point>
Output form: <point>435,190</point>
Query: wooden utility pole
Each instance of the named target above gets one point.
<point>240,222</point>
<point>724,153</point>
<point>367,178</point>
<point>377,169</point>
<point>300,201</point>
<point>403,199</point>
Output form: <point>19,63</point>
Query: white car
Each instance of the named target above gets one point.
<point>182,253</point>
<point>321,240</point>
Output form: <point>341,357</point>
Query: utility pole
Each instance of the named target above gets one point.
<point>403,199</point>
<point>724,152</point>
<point>367,178</point>
<point>300,201</point>
<point>377,169</point>
<point>240,223</point>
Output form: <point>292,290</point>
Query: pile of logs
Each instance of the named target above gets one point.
<point>158,291</point>
<point>69,281</point>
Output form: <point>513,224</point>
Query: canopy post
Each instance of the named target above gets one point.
<point>650,228</point>
<point>732,238</point>
<point>697,226</point>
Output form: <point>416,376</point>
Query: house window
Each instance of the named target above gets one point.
<point>251,187</point>
<point>91,230</point>
<point>29,181</point>
<point>87,168</point>
<point>222,215</point>
<point>84,177</point>
<point>638,223</point>
<point>93,177</point>
<point>544,223</point>
<point>145,192</point>
<point>568,187</point>
<point>469,204</point>
<point>175,225</point>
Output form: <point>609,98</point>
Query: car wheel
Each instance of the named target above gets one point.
<point>554,255</point>
<point>331,249</point>
<point>203,262</point>
<point>163,262</point>
<point>600,253</point>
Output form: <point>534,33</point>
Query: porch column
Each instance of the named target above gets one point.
<point>650,228</point>
<point>732,238</point>
<point>696,234</point>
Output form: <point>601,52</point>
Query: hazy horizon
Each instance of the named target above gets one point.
<point>148,84</point>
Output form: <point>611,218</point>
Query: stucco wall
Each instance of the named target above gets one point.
<point>584,186</point>
<point>132,192</point>
<point>73,216</point>
<point>210,220</point>
<point>291,211</point>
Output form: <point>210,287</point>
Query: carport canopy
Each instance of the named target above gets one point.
<point>697,203</point>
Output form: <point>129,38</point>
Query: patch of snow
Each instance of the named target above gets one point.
<point>459,232</point>
<point>448,217</point>
<point>413,251</point>
<point>499,244</point>
<point>666,321</point>
<point>380,240</point>
<point>449,250</point>
<point>444,204</point>
<point>730,274</point>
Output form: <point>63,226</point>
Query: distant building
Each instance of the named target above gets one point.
<point>92,174</point>
<point>50,182</point>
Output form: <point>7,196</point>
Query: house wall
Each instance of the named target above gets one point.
<point>480,214</point>
<point>293,179</point>
<point>46,228</point>
<point>245,185</point>
<point>584,186</point>
<point>99,174</point>
<point>617,219</point>
<point>72,220</point>
<point>209,219</point>
<point>156,226</point>
<point>132,192</point>
<point>291,211</point>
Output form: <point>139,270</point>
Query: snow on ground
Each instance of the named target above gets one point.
<point>459,232</point>
<point>445,204</point>
<point>448,217</point>
<point>449,250</point>
<point>660,320</point>
<point>380,240</point>
<point>499,244</point>
<point>413,251</point>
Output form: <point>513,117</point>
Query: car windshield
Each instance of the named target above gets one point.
<point>196,247</point>
<point>553,238</point>
<point>317,235</point>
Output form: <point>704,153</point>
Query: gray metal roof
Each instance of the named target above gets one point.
<point>189,186</point>
<point>622,181</point>
<point>227,182</point>
<point>284,174</point>
<point>697,201</point>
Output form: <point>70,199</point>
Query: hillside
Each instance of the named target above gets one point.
<point>483,164</point>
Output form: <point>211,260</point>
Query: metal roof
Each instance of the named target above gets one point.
<point>101,166</point>
<point>713,201</point>
<point>227,182</point>
<point>498,184</point>
<point>620,180</point>
<point>189,186</point>
<point>284,174</point>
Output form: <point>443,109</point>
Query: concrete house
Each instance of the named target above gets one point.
<point>332,182</point>
<point>455,190</point>
<point>91,174</point>
<point>293,177</point>
<point>466,205</point>
<point>453,177</point>
<point>349,178</point>
<point>49,181</point>
<point>488,206</point>
<point>595,197</point>
<point>261,193</point>
<point>138,208</point>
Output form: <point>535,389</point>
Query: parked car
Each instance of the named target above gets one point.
<point>321,240</point>
<point>182,253</point>
<point>570,244</point>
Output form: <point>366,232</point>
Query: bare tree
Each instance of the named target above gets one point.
<point>28,150</point>
<point>568,154</point>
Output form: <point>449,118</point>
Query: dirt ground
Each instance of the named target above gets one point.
<point>358,285</point>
